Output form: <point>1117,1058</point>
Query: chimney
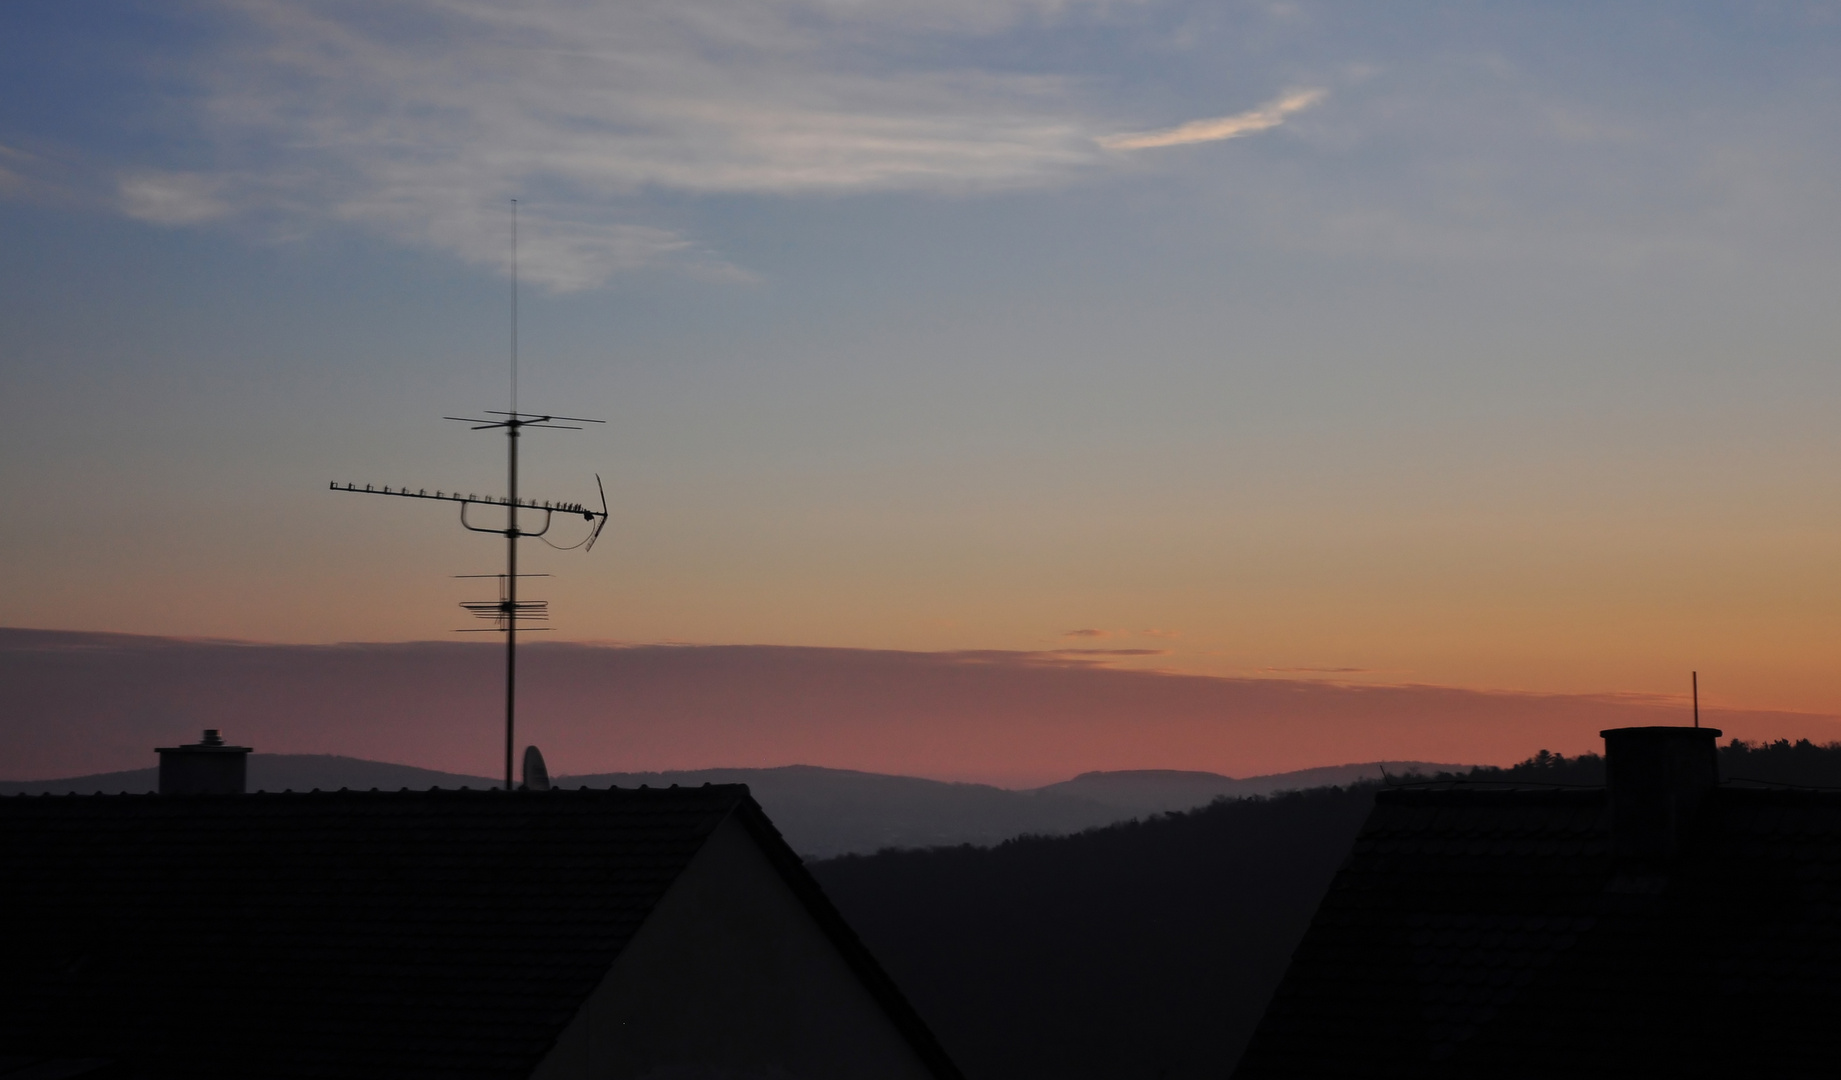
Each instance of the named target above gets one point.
<point>206,767</point>
<point>1657,777</point>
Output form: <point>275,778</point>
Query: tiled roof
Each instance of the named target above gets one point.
<point>439,933</point>
<point>1492,933</point>
<point>39,1067</point>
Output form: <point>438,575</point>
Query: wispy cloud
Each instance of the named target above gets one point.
<point>1266,117</point>
<point>1088,633</point>
<point>11,182</point>
<point>420,120</point>
<point>172,198</point>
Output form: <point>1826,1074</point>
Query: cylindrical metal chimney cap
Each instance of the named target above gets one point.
<point>210,743</point>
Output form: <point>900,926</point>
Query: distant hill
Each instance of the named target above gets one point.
<point>822,812</point>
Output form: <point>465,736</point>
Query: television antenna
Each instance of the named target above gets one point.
<point>509,613</point>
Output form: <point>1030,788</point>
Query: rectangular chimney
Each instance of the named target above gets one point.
<point>206,767</point>
<point>1657,777</point>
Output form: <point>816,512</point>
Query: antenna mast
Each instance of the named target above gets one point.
<point>511,520</point>
<point>509,611</point>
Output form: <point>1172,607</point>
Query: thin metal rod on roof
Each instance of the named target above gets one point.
<point>1696,678</point>
<point>509,612</point>
<point>511,522</point>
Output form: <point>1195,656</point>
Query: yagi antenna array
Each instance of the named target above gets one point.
<point>549,509</point>
<point>508,614</point>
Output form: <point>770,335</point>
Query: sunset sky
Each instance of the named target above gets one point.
<point>1488,346</point>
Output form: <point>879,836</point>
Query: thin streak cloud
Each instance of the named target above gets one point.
<point>1320,670</point>
<point>1264,118</point>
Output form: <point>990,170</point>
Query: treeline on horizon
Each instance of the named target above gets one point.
<point>1148,948</point>
<point>1797,764</point>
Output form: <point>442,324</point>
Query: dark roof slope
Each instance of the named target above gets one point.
<point>439,933</point>
<point>1492,933</point>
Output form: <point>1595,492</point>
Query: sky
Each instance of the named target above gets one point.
<point>1482,346</point>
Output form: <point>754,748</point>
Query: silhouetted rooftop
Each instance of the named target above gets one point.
<point>1494,933</point>
<point>439,933</point>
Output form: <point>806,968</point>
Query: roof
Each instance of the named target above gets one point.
<point>1488,932</point>
<point>437,933</point>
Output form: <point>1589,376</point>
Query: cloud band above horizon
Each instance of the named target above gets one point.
<point>86,703</point>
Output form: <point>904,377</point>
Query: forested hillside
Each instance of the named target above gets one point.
<point>1139,950</point>
<point>1148,949</point>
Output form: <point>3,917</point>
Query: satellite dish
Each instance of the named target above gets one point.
<point>536,777</point>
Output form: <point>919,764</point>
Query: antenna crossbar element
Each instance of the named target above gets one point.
<point>516,420</point>
<point>503,613</point>
<point>535,610</point>
<point>540,416</point>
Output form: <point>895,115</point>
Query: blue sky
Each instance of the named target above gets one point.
<point>1495,348</point>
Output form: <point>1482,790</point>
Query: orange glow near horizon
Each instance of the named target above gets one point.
<point>1482,611</point>
<point>1491,574</point>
